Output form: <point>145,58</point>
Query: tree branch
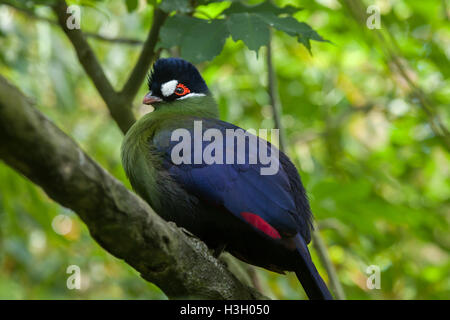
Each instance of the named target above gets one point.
<point>118,103</point>
<point>122,223</point>
<point>121,114</point>
<point>147,55</point>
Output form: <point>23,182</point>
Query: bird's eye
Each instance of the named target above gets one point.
<point>181,90</point>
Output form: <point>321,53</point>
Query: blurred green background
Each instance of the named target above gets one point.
<point>377,176</point>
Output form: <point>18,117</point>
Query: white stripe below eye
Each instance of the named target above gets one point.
<point>193,94</point>
<point>168,88</point>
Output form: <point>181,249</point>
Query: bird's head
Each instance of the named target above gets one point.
<point>174,79</point>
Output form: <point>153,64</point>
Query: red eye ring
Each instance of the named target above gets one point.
<point>184,90</point>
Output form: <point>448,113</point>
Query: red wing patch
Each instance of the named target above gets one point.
<point>260,224</point>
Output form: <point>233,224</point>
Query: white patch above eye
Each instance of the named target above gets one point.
<point>193,94</point>
<point>168,88</point>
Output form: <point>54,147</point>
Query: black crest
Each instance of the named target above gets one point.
<point>175,69</point>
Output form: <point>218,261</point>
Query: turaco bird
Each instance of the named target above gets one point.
<point>262,219</point>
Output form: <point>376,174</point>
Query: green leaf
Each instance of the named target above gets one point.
<point>199,40</point>
<point>170,35</point>
<point>131,5</point>
<point>244,19</point>
<point>206,42</point>
<point>266,7</point>
<point>182,6</point>
<point>293,27</point>
<point>250,28</point>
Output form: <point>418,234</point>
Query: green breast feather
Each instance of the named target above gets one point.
<point>142,164</point>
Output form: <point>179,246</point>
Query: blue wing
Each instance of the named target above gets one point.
<point>278,199</point>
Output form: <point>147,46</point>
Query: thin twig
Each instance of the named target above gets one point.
<point>88,34</point>
<point>318,242</point>
<point>392,55</point>
<point>321,249</point>
<point>118,40</point>
<point>435,121</point>
<point>147,55</point>
<point>445,10</point>
<point>273,94</point>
